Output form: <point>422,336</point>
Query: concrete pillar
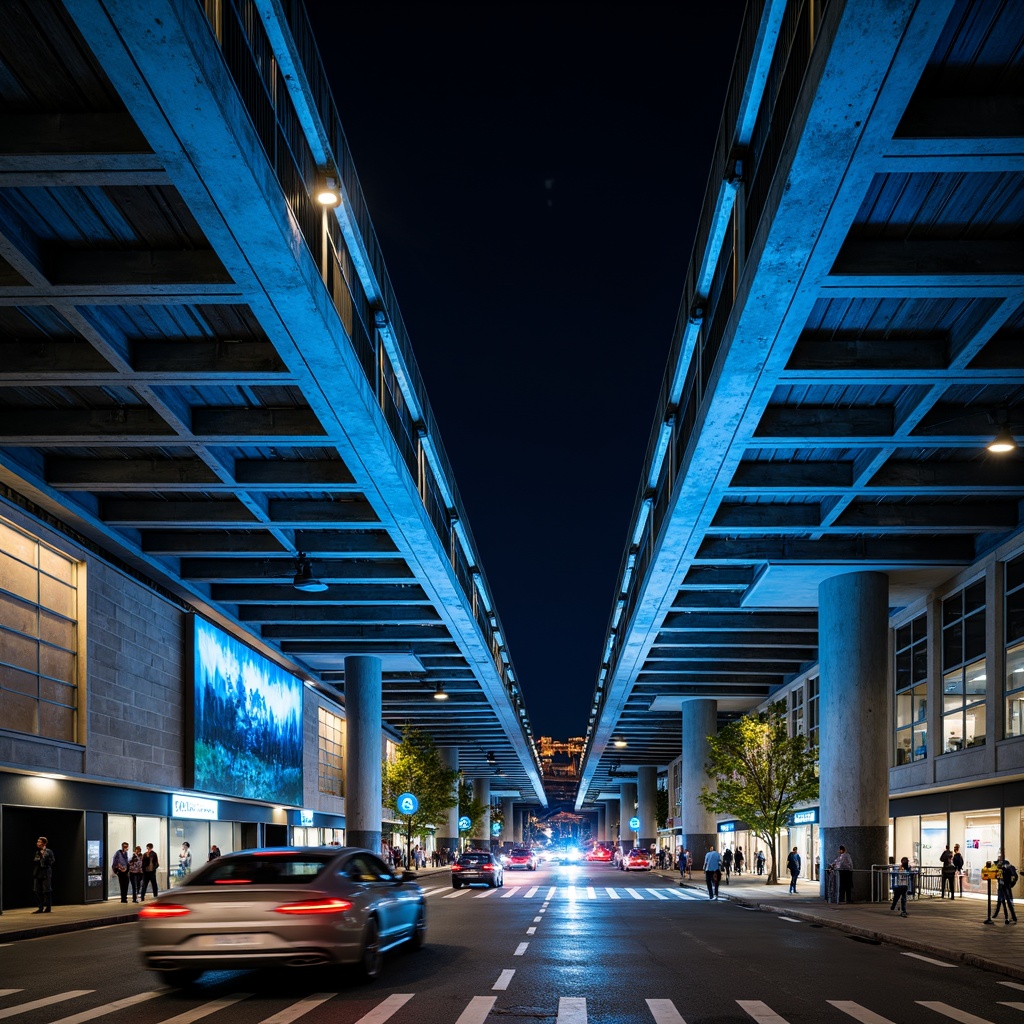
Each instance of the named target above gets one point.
<point>853,624</point>
<point>482,792</point>
<point>699,829</point>
<point>508,830</point>
<point>363,791</point>
<point>601,833</point>
<point>647,804</point>
<point>612,819</point>
<point>627,808</point>
<point>448,834</point>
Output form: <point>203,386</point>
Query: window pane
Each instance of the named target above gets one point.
<point>56,565</point>
<point>18,544</point>
<point>974,597</point>
<point>904,709</point>
<point>974,726</point>
<point>920,667</point>
<point>18,681</point>
<point>953,645</point>
<point>1014,625</point>
<point>1015,573</point>
<point>975,678</point>
<point>57,596</point>
<point>18,578</point>
<point>974,635</point>
<point>1015,668</point>
<point>56,722</point>
<point>904,662</point>
<point>952,609</point>
<point>903,637</point>
<point>920,742</point>
<point>18,712</point>
<point>920,627</point>
<point>953,682</point>
<point>920,703</point>
<point>952,704</point>
<point>904,742</point>
<point>1014,715</point>
<point>952,732</point>
<point>19,651</point>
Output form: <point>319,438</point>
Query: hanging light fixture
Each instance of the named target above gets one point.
<point>1003,442</point>
<point>304,579</point>
<point>439,693</point>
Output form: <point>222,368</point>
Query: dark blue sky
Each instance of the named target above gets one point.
<point>535,175</point>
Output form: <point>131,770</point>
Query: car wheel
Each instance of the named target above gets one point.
<point>456,885</point>
<point>419,931</point>
<point>184,977</point>
<point>371,959</point>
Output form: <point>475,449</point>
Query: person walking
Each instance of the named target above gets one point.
<point>712,871</point>
<point>150,862</point>
<point>727,863</point>
<point>901,881</point>
<point>738,861</point>
<point>947,874</point>
<point>1004,897</point>
<point>135,873</point>
<point>119,865</point>
<point>759,860</point>
<point>42,876</point>
<point>793,867</point>
<point>844,865</point>
<point>958,863</point>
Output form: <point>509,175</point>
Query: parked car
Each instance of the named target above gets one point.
<point>282,907</point>
<point>521,857</point>
<point>478,867</point>
<point>600,853</point>
<point>636,860</point>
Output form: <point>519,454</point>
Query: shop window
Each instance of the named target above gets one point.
<point>911,675</point>
<point>964,680</point>
<point>39,638</point>
<point>796,712</point>
<point>813,692</point>
<point>1013,681</point>
<point>332,760</point>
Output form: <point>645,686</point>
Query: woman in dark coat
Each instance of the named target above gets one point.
<point>42,876</point>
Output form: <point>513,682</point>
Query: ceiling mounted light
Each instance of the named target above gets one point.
<point>1003,442</point>
<point>304,579</point>
<point>439,693</point>
<point>619,741</point>
<point>491,759</point>
<point>327,194</point>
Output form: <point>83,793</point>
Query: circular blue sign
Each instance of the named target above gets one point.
<point>407,804</point>
<point>496,829</point>
<point>634,824</point>
<point>464,824</point>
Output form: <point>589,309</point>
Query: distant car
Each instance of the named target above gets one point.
<point>521,857</point>
<point>550,856</point>
<point>285,906</point>
<point>476,867</point>
<point>600,854</point>
<point>636,860</point>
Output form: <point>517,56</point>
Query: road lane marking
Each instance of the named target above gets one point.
<point>664,1011</point>
<point>503,979</point>
<point>531,893</point>
<point>1009,984</point>
<point>657,893</point>
<point>591,895</point>
<point>483,895</point>
<point>612,893</point>
<point>456,894</point>
<point>929,960</point>
<point>634,894</point>
<point>571,892</point>
<point>476,1012</point>
<point>760,1011</point>
<point>433,888</point>
<point>531,931</point>
<point>198,1012</point>
<point>521,948</point>
<point>953,1013</point>
<point>795,920</point>
<point>300,1009</point>
<point>536,920</point>
<point>1015,1006</point>
<point>382,1011</point>
<point>551,892</point>
<point>511,892</point>
<point>13,1011</point>
<point>572,1010</point>
<point>120,1004</point>
<point>858,1012</point>
<point>683,894</point>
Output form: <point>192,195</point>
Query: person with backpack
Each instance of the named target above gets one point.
<point>1004,899</point>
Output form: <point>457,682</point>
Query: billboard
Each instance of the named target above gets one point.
<point>246,728</point>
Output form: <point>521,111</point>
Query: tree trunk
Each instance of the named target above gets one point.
<point>773,870</point>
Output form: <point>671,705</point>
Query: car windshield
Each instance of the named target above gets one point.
<point>475,858</point>
<point>260,869</point>
<point>520,853</point>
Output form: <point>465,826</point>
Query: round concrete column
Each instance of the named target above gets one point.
<point>601,833</point>
<point>363,694</point>
<point>508,830</point>
<point>627,808</point>
<point>448,834</point>
<point>700,829</point>
<point>647,804</point>
<point>853,633</point>
<point>482,792</point>
<point>612,819</point>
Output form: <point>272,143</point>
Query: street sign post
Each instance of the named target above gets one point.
<point>408,805</point>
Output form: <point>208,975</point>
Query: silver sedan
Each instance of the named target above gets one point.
<point>290,907</point>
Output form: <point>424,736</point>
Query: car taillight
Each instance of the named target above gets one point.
<point>456,867</point>
<point>487,867</point>
<point>324,906</point>
<point>157,910</point>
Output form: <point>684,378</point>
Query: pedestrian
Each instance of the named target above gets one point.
<point>1004,898</point>
<point>738,861</point>
<point>727,863</point>
<point>958,863</point>
<point>135,872</point>
<point>844,865</point>
<point>150,862</point>
<point>42,876</point>
<point>902,878</point>
<point>712,871</point>
<point>760,862</point>
<point>119,865</point>
<point>214,853</point>
<point>184,860</point>
<point>793,867</point>
<point>947,874</point>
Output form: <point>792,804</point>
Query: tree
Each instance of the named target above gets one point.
<point>761,775</point>
<point>419,769</point>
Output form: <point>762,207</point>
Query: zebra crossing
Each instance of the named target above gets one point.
<point>478,1010</point>
<point>572,893</point>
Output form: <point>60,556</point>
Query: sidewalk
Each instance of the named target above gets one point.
<point>946,929</point>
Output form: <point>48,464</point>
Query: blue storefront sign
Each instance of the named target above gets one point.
<point>806,816</point>
<point>727,826</point>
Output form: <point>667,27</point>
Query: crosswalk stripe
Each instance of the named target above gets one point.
<point>551,892</point>
<point>511,892</point>
<point>476,1012</point>
<point>1014,1006</point>
<point>683,894</point>
<point>427,890</point>
<point>657,893</point>
<point>634,894</point>
<point>571,892</point>
<point>299,1009</point>
<point>858,1012</point>
<point>612,893</point>
<point>531,893</point>
<point>120,1004</point>
<point>198,1012</point>
<point>456,894</point>
<point>664,1011</point>
<point>952,1012</point>
<point>382,1011</point>
<point>483,895</point>
<point>761,1012</point>
<point>928,959</point>
<point>572,1010</point>
<point>521,948</point>
<point>13,1011</point>
<point>503,981</point>
<point>1013,984</point>
<point>591,895</point>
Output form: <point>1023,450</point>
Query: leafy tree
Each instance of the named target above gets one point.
<point>468,807</point>
<point>419,769</point>
<point>761,775</point>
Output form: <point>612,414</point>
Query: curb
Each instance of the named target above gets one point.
<point>58,928</point>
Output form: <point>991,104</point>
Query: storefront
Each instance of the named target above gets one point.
<point>803,833</point>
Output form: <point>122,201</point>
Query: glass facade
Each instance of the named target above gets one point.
<point>1013,629</point>
<point>332,760</point>
<point>911,674</point>
<point>964,679</point>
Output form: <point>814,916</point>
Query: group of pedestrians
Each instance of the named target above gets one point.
<point>138,870</point>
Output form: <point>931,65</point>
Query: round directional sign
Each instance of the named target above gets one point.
<point>496,829</point>
<point>464,824</point>
<point>634,824</point>
<point>408,804</point>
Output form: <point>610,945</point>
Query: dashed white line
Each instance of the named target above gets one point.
<point>531,931</point>
<point>759,1011</point>
<point>537,919</point>
<point>634,894</point>
<point>456,894</point>
<point>795,920</point>
<point>591,895</point>
<point>531,893</point>
<point>483,895</point>
<point>612,893</point>
<point>503,981</point>
<point>476,1012</point>
<point>572,1010</point>
<point>657,894</point>
<point>521,948</point>
<point>929,960</point>
<point>119,1004</point>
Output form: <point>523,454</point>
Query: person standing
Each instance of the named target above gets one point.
<point>150,862</point>
<point>958,863</point>
<point>1004,898</point>
<point>184,859</point>
<point>793,867</point>
<point>712,871</point>
<point>948,873</point>
<point>42,876</point>
<point>135,872</point>
<point>844,865</point>
<point>119,866</point>
<point>760,862</point>
<point>214,853</point>
<point>901,878</point>
<point>738,861</point>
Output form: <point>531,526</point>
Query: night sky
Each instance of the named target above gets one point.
<point>535,175</point>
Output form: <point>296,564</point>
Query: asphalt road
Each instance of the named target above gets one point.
<point>571,945</point>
